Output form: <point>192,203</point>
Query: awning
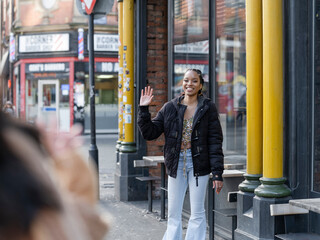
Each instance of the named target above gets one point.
<point>4,65</point>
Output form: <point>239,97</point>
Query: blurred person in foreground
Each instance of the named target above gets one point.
<point>47,191</point>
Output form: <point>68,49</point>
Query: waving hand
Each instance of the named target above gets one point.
<point>146,96</point>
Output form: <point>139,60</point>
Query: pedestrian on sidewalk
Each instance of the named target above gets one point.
<point>47,191</point>
<point>8,108</point>
<point>193,150</point>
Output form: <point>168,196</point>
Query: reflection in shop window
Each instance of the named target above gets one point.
<point>232,3</point>
<point>231,74</point>
<point>191,50</point>
<point>190,40</point>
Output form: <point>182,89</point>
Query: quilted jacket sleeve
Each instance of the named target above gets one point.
<point>150,129</point>
<point>215,139</point>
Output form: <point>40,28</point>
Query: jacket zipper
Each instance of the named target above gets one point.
<point>197,175</point>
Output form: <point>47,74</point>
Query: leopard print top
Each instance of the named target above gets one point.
<point>187,130</point>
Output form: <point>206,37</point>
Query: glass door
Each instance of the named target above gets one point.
<point>48,107</point>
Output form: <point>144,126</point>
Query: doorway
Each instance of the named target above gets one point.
<point>48,107</point>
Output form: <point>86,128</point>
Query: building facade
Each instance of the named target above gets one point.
<point>266,76</point>
<point>217,37</point>
<point>50,67</point>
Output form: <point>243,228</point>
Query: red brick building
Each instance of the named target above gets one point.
<point>50,76</point>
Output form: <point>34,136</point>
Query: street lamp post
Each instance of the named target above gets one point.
<point>93,150</point>
<point>93,8</point>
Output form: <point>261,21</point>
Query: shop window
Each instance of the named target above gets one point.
<point>106,102</point>
<point>190,49</point>
<point>230,82</point>
<point>54,101</point>
<point>190,41</point>
<point>64,105</point>
<point>31,100</point>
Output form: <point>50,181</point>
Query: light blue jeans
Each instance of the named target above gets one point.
<point>176,192</point>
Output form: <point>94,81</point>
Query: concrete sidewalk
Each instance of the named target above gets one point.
<point>129,220</point>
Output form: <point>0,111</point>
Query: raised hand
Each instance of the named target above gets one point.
<point>146,96</point>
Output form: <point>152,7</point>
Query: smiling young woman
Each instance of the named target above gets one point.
<point>193,150</point>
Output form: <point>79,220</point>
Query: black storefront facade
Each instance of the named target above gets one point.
<point>216,43</point>
<point>301,131</point>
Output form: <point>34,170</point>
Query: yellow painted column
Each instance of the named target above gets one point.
<point>128,144</point>
<point>273,102</point>
<point>254,95</point>
<point>120,75</point>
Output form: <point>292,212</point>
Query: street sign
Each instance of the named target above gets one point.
<point>89,5</point>
<point>99,10</point>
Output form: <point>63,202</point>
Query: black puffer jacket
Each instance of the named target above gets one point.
<point>206,138</point>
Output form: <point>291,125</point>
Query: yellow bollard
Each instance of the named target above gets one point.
<point>128,144</point>
<point>272,180</point>
<point>254,95</point>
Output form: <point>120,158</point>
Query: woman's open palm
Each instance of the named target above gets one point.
<point>146,96</point>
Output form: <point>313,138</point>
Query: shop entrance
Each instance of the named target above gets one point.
<point>48,107</point>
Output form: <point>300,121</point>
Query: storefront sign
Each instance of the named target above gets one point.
<point>44,43</point>
<point>105,42</point>
<point>47,67</point>
<point>105,67</point>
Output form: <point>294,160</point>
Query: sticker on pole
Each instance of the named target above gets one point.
<point>89,5</point>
